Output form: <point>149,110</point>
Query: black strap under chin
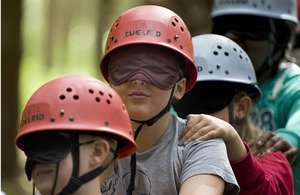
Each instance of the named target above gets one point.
<point>75,181</point>
<point>154,119</point>
<point>148,122</point>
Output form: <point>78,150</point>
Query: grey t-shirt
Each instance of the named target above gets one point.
<point>163,168</point>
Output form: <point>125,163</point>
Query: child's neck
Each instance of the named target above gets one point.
<point>90,188</point>
<point>149,135</point>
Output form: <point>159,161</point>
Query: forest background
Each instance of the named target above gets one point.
<point>41,40</point>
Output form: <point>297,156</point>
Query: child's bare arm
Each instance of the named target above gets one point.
<point>203,127</point>
<point>203,184</point>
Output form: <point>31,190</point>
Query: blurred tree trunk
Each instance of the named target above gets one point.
<point>195,13</point>
<point>10,61</point>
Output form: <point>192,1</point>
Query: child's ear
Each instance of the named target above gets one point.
<point>242,107</point>
<point>180,89</point>
<point>100,150</point>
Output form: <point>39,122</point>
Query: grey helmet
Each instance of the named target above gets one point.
<point>276,9</point>
<point>220,59</point>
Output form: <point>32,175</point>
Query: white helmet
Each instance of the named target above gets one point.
<point>220,59</point>
<point>277,9</point>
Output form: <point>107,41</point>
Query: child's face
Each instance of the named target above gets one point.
<point>143,75</point>
<point>258,51</point>
<point>142,100</point>
<point>43,175</point>
<point>52,151</point>
<point>222,114</point>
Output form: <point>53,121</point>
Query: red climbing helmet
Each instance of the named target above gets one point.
<point>77,103</point>
<point>156,25</point>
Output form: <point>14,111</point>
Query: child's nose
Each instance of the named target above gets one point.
<point>139,82</point>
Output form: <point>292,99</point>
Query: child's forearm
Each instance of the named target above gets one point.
<point>236,149</point>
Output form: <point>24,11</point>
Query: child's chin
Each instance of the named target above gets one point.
<point>45,190</point>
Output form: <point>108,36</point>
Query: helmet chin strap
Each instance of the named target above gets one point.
<point>230,113</point>
<point>75,181</point>
<point>148,122</point>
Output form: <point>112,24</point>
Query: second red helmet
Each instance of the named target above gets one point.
<point>156,25</point>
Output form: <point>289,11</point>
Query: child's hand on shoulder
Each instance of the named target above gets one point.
<point>204,127</point>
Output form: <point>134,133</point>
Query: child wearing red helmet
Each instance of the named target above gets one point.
<point>72,130</point>
<point>148,60</point>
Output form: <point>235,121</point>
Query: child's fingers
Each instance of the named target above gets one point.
<point>191,133</point>
<point>189,138</point>
<point>191,121</point>
<point>291,153</point>
<point>194,133</point>
<point>264,138</point>
<point>209,135</point>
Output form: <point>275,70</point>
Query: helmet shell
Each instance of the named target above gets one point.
<point>77,103</point>
<point>220,59</point>
<point>156,25</point>
<point>276,9</point>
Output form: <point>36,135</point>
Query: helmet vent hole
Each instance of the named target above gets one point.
<point>176,20</point>
<point>108,101</point>
<point>269,7</point>
<point>182,29</point>
<point>123,107</point>
<point>91,91</point>
<point>241,56</point>
<point>216,53</point>
<point>226,53</point>
<point>62,97</point>
<point>226,72</point>
<point>97,99</point>
<point>100,92</point>
<point>234,49</point>
<point>254,5</point>
<point>249,77</point>
<point>75,97</point>
<point>69,89</point>
<point>173,23</point>
<point>219,47</point>
<point>247,59</point>
<point>199,68</point>
<point>110,95</point>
